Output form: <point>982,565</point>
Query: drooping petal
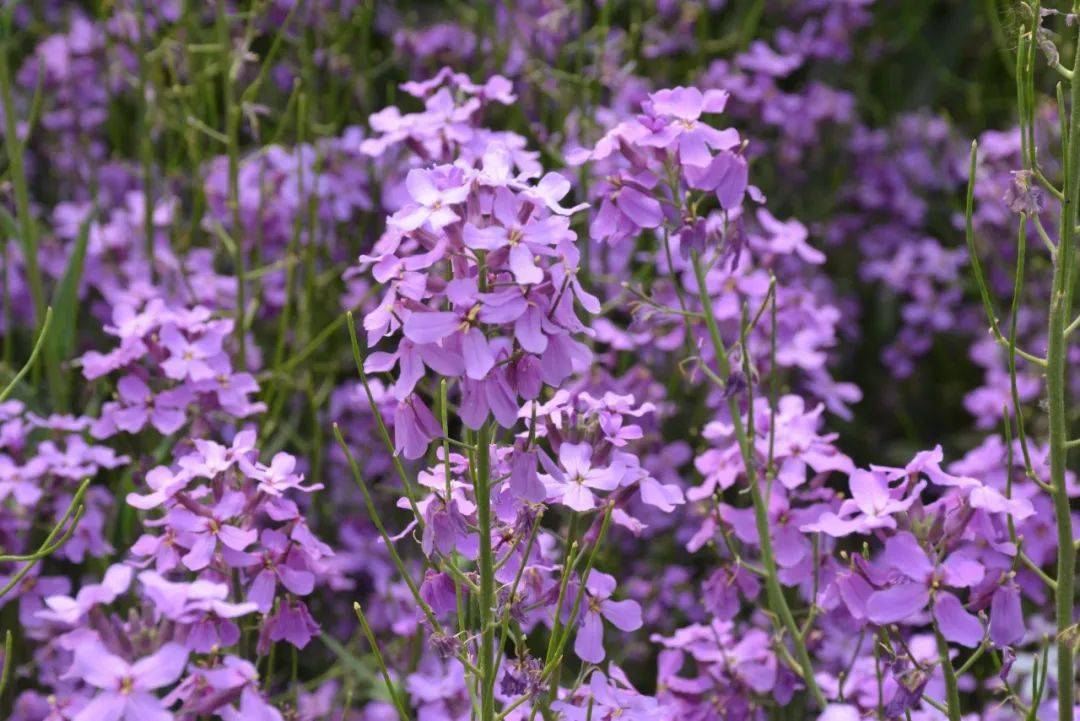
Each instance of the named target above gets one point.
<point>528,329</point>
<point>589,644</point>
<point>524,481</point>
<point>954,621</point>
<point>1006,616</point>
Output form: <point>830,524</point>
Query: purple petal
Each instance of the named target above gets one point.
<point>897,603</point>
<point>478,357</point>
<point>202,551</point>
<point>299,582</point>
<point>643,210</point>
<point>624,615</point>
<point>904,553</point>
<point>236,538</point>
<point>108,706</point>
<point>528,330</point>
<point>524,481</point>
<point>160,669</point>
<point>523,266</point>
<point>432,327</point>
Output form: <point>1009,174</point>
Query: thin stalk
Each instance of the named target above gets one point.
<point>57,537</point>
<point>1057,391</point>
<point>395,698</point>
<point>383,432</point>
<point>1014,314</point>
<point>33,356</point>
<point>774,592</point>
<point>514,587</point>
<point>977,269</point>
<point>373,512</point>
<point>605,523</point>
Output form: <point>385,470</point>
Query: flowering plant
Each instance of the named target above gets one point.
<point>538,360</point>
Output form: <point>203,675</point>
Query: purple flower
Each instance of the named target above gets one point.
<point>524,239</point>
<point>433,192</point>
<point>872,505</point>
<point>69,611</point>
<point>291,622</point>
<point>202,531</point>
<point>597,605</point>
<point>681,108</point>
<point>573,481</point>
<point>164,411</point>
<point>126,690</point>
<point>189,359</point>
<point>414,427</point>
<point>279,563</point>
<point>279,477</point>
<point>921,581</point>
<point>611,697</point>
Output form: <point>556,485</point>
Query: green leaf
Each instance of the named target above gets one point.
<point>362,671</point>
<point>61,341</point>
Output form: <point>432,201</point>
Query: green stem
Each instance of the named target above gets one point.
<point>9,663</point>
<point>774,592</point>
<point>952,691</point>
<point>486,661</point>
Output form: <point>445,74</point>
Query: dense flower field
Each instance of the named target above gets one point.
<point>539,360</point>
